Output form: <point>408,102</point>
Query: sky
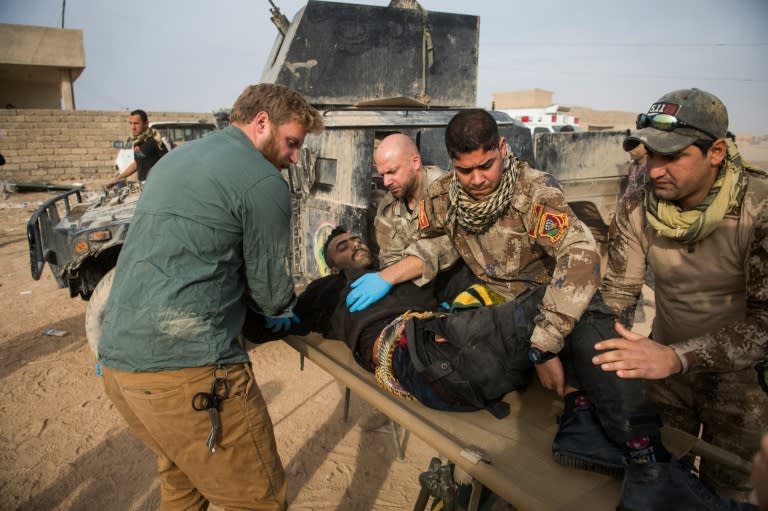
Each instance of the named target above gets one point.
<point>197,56</point>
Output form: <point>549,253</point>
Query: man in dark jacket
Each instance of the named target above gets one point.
<point>457,361</point>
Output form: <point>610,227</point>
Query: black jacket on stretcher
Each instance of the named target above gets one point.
<point>481,355</point>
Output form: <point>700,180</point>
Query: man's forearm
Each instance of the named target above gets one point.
<point>129,170</point>
<point>408,268</point>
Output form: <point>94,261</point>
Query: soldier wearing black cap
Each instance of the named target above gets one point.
<point>701,226</point>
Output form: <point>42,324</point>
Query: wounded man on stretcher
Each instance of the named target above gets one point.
<point>464,355</point>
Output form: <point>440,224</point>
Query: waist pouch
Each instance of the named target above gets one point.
<point>478,355</point>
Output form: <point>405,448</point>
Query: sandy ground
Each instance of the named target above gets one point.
<point>64,447</point>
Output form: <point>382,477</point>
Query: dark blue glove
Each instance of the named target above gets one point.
<point>367,290</point>
<point>280,324</point>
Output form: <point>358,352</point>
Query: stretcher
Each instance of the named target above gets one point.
<point>510,456</point>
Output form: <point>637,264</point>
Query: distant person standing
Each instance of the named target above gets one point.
<point>210,239</point>
<point>637,174</point>
<point>148,148</point>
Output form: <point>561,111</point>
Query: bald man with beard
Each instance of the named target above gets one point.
<point>398,161</point>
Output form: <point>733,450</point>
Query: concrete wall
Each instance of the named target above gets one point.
<point>62,146</point>
<point>38,66</point>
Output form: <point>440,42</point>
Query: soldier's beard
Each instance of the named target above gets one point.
<point>271,151</point>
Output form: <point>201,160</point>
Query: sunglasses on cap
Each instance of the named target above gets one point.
<point>666,122</point>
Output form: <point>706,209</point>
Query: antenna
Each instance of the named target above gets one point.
<point>279,19</point>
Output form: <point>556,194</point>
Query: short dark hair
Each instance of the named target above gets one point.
<point>142,114</point>
<point>337,231</point>
<point>703,144</point>
<point>470,130</point>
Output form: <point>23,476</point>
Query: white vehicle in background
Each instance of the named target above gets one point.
<point>550,119</point>
<point>173,133</point>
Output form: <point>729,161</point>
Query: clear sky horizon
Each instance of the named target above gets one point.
<point>197,56</point>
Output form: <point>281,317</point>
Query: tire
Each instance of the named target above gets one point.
<point>94,313</point>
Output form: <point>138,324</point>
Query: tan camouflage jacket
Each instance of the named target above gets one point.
<point>537,242</point>
<point>395,225</point>
<point>711,296</point>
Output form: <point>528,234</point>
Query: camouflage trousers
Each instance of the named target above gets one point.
<point>730,410</point>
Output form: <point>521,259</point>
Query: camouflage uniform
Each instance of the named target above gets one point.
<point>538,241</point>
<point>395,224</point>
<point>637,177</point>
<point>712,309</point>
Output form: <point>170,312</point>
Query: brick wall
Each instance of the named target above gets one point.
<point>58,146</point>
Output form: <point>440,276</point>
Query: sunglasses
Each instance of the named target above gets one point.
<point>666,122</point>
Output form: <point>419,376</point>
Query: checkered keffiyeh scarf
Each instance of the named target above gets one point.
<point>478,216</point>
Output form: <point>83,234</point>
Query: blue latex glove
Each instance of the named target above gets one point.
<point>367,290</point>
<point>280,324</point>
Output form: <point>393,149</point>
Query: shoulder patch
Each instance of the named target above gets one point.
<point>423,218</point>
<point>549,224</point>
<point>553,226</point>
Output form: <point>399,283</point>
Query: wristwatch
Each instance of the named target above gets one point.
<point>537,356</point>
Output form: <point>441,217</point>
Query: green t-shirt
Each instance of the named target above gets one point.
<point>211,228</point>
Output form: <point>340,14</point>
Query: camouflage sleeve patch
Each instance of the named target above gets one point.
<point>548,224</point>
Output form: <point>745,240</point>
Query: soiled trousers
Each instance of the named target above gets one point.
<point>730,408</point>
<point>245,471</point>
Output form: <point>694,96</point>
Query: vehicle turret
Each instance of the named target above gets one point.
<point>341,55</point>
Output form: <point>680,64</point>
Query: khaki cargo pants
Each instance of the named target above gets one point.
<point>245,472</point>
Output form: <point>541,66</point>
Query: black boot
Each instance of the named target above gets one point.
<point>670,486</point>
<point>581,442</point>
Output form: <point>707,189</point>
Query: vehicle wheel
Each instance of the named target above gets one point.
<point>94,313</point>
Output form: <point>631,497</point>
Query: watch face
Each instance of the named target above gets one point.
<point>536,356</point>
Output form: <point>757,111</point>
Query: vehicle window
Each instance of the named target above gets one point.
<point>181,134</point>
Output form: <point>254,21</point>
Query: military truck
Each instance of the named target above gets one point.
<point>372,71</point>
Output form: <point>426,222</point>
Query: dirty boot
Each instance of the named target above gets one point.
<point>663,486</point>
<point>581,442</point>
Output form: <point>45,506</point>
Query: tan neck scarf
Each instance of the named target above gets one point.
<point>694,225</point>
<point>477,217</point>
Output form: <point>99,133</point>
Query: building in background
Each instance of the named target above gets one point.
<point>536,109</point>
<point>38,66</point>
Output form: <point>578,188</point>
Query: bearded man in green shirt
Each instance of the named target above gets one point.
<point>210,237</point>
